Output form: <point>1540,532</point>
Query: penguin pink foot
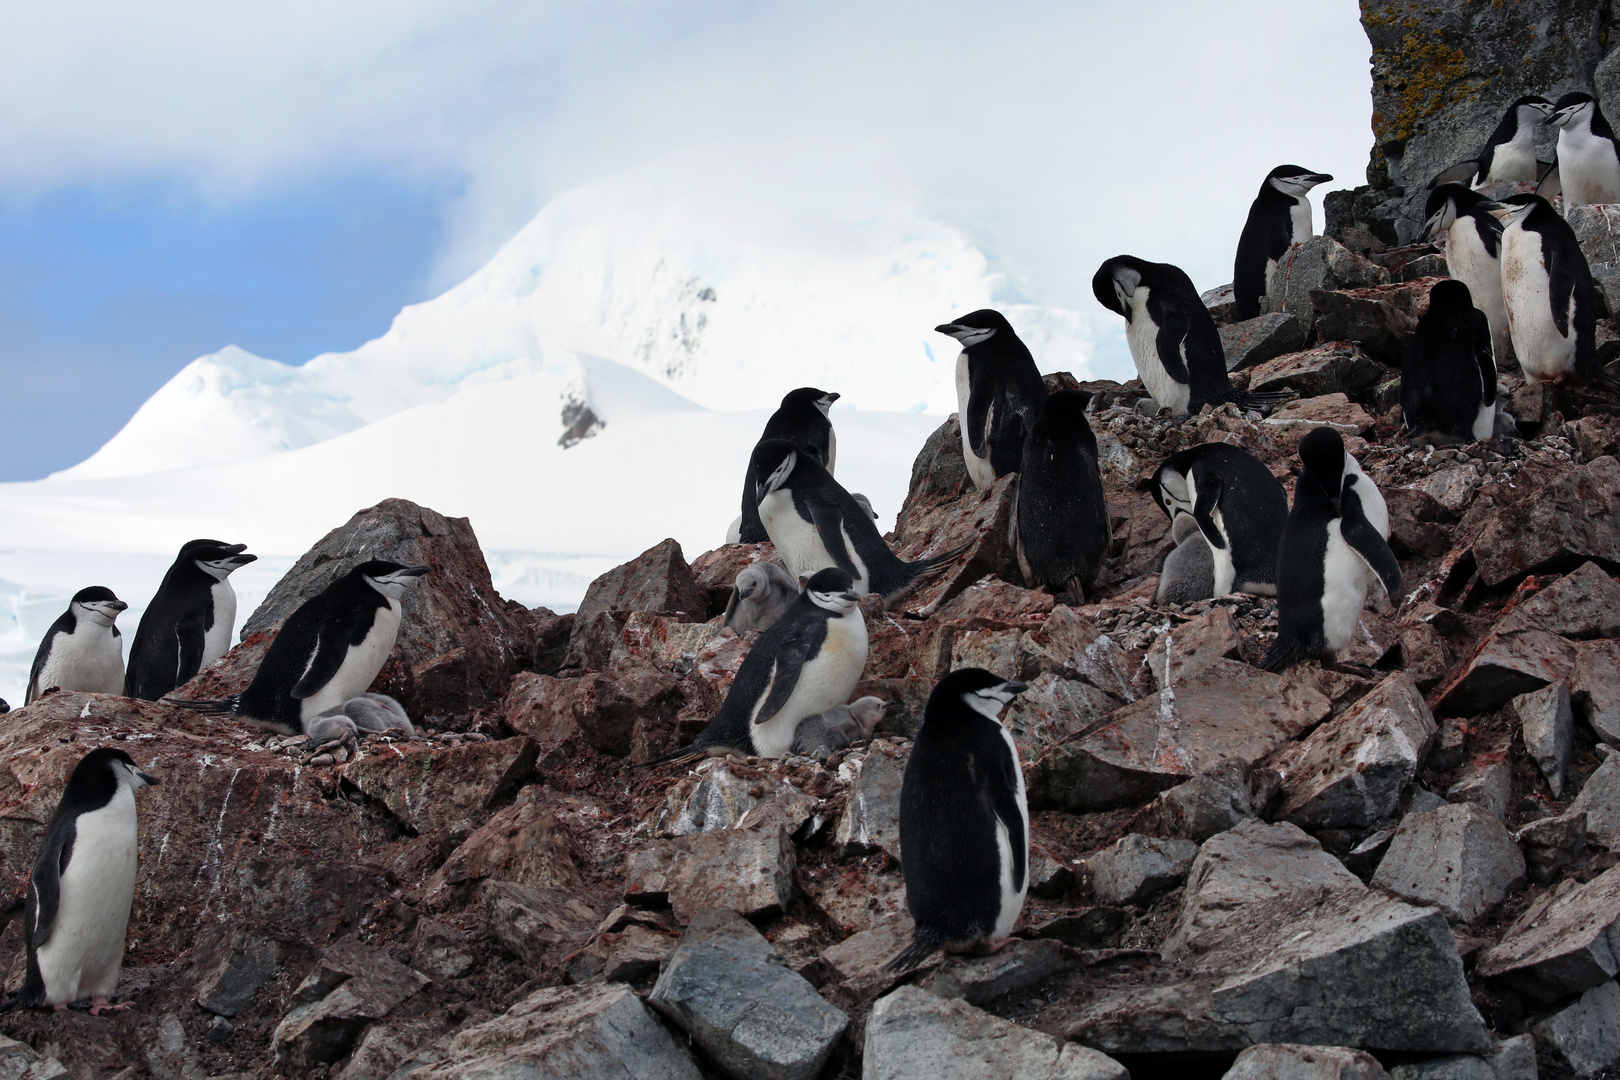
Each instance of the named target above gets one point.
<point>98,1005</point>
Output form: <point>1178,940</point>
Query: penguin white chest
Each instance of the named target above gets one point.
<point>1543,352</point>
<point>86,946</point>
<point>217,641</point>
<point>1477,268</point>
<point>1588,170</point>
<point>1012,893</point>
<point>824,681</point>
<point>1514,159</point>
<point>798,542</point>
<point>1344,590</point>
<point>90,660</point>
<point>1143,336</point>
<point>980,471</point>
<point>360,664</point>
<point>1299,217</point>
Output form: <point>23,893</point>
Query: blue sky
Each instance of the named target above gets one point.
<point>180,175</point>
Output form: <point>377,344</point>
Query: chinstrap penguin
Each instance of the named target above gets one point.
<point>1509,152</point>
<point>1588,158</point>
<point>1172,336</point>
<point>1448,378</point>
<point>1473,250</point>
<point>1334,545</point>
<point>1229,497</point>
<point>1060,525</point>
<point>188,624</point>
<point>964,820</point>
<point>76,911</point>
<point>802,420</point>
<point>998,393</point>
<point>807,663</point>
<point>762,593</point>
<point>83,650</point>
<point>1279,217</point>
<point>840,726</point>
<point>1550,298</point>
<point>815,523</point>
<point>326,654</point>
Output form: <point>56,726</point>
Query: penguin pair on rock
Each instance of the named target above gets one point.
<point>1227,514</point>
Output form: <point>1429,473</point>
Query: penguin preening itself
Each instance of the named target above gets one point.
<point>964,820</point>
<point>326,654</point>
<point>1230,499</point>
<point>1549,295</point>
<point>188,624</point>
<point>815,523</point>
<point>1335,543</point>
<point>807,663</point>
<point>762,593</point>
<point>76,911</point>
<point>1588,157</point>
<point>1509,152</point>
<point>1473,250</point>
<point>1060,525</point>
<point>1172,335</point>
<point>1279,218</point>
<point>998,393</point>
<point>802,420</point>
<point>1448,378</point>
<point>831,731</point>
<point>83,650</point>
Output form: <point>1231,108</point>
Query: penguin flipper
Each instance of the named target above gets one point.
<point>977,420</point>
<point>1460,173</point>
<point>1002,779</point>
<point>829,523</point>
<point>1366,541</point>
<point>1170,342</point>
<point>1209,495</point>
<point>787,665</point>
<point>190,634</point>
<point>332,643</point>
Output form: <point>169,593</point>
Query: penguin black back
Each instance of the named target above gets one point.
<point>802,420</point>
<point>171,642</point>
<point>1062,528</point>
<point>1278,218</point>
<point>1448,378</point>
<point>999,392</point>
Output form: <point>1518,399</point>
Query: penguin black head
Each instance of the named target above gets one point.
<point>215,557</point>
<point>1321,455</point>
<point>389,578</point>
<point>809,396</point>
<point>1294,180</point>
<point>982,691</point>
<point>1066,408</point>
<point>1116,281</point>
<point>99,774</point>
<point>832,590</point>
<point>1574,111</point>
<point>1450,297</point>
<point>1447,203</point>
<point>976,327</point>
<point>99,604</point>
<point>774,461</point>
<point>1516,208</point>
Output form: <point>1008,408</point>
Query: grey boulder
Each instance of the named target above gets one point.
<point>1459,858</point>
<point>1136,868</point>
<point>1292,1061</point>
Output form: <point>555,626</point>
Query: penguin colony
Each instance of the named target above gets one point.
<point>1518,282</point>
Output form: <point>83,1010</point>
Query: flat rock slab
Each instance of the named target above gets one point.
<point>725,987</point>
<point>1193,646</point>
<point>1226,710</point>
<point>1254,341</point>
<point>535,924</point>
<point>1557,529</point>
<point>1211,802</point>
<point>1380,318</point>
<point>1584,603</point>
<point>747,871</point>
<point>1595,688</point>
<point>977,519</point>
<point>1459,858</point>
<point>1351,771</point>
<point>1337,411</point>
<point>913,1033</point>
<point>365,984</point>
<point>567,1031</point>
<point>1338,368</point>
<point>871,818</point>
<point>1599,800</point>
<point>979,980</point>
<point>1506,664</point>
<point>858,960</point>
<point>432,789</point>
<point>719,793</point>
<point>1586,1033</point>
<point>1053,709</point>
<point>1318,263</point>
<point>1548,728</point>
<point>1290,1061</point>
<point>1136,868</point>
<point>1566,943</point>
<point>1251,863</point>
<point>1312,970</point>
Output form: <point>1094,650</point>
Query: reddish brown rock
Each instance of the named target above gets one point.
<point>443,789</point>
<point>1327,369</point>
<point>633,704</point>
<point>1505,665</point>
<point>1558,529</point>
<point>1380,319</point>
<point>1595,689</point>
<point>1584,603</point>
<point>747,871</point>
<point>1194,645</point>
<point>524,843</point>
<point>1336,411</point>
<point>656,580</point>
<point>537,707</point>
<point>1054,709</point>
<point>979,523</point>
<point>1563,944</point>
<point>537,925</point>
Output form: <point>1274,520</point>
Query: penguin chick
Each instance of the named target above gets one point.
<point>1448,379</point>
<point>998,393</point>
<point>808,662</point>
<point>1172,336</point>
<point>83,650</point>
<point>865,504</point>
<point>1473,236</point>
<point>1549,294</point>
<point>763,592</point>
<point>188,624</point>
<point>1279,218</point>
<point>1588,157</point>
<point>964,821</point>
<point>838,727</point>
<point>815,523</point>
<point>802,420</point>
<point>341,725</point>
<point>76,911</point>
<point>1061,528</point>
<point>1334,545</point>
<point>1189,573</point>
<point>1509,152</point>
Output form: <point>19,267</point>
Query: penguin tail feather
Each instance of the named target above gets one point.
<point>923,945</point>
<point>685,753</point>
<point>12,1002</point>
<point>1268,400</point>
<point>222,707</point>
<point>934,562</point>
<point>1282,654</point>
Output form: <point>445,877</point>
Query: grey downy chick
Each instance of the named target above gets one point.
<point>762,593</point>
<point>827,733</point>
<point>341,725</point>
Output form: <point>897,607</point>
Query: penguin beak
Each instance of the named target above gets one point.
<point>951,330</point>
<point>116,606</point>
<point>1319,178</point>
<point>850,597</point>
<point>412,571</point>
<point>146,777</point>
<point>241,559</point>
<point>1015,687</point>
<point>830,398</point>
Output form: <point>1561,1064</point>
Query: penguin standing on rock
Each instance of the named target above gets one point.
<point>806,664</point>
<point>325,655</point>
<point>1172,335</point>
<point>1279,217</point>
<point>1510,151</point>
<point>1588,156</point>
<point>815,523</point>
<point>1473,250</point>
<point>1335,543</point>
<point>1448,379</point>
<point>998,393</point>
<point>188,624</point>
<point>76,911</point>
<point>964,820</point>
<point>1549,295</point>
<point>801,420</point>
<point>1060,516</point>
<point>1230,499</point>
<point>83,650</point>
